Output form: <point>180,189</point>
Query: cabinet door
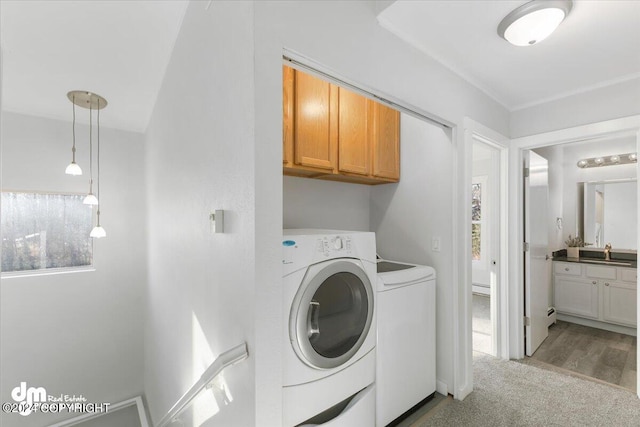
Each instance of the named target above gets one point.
<point>576,296</point>
<point>315,122</point>
<point>620,303</point>
<point>386,142</point>
<point>354,132</point>
<point>288,79</point>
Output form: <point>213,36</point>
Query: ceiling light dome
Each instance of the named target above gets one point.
<point>534,21</point>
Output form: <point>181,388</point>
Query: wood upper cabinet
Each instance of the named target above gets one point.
<point>310,126</point>
<point>333,133</point>
<point>386,142</point>
<point>288,76</point>
<point>355,130</point>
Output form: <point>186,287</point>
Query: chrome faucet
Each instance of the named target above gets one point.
<point>607,252</point>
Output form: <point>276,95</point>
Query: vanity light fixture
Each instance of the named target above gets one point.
<point>91,101</point>
<point>533,21</point>
<point>616,159</point>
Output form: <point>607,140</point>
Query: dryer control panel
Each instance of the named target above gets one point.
<point>331,245</point>
<point>301,249</point>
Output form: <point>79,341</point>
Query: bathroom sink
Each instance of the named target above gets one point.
<point>602,261</point>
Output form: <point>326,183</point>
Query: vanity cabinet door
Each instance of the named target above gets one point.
<point>576,296</point>
<point>620,302</point>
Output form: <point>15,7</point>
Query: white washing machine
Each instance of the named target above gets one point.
<point>329,282</point>
<point>406,349</point>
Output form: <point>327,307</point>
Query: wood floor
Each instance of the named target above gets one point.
<point>606,356</point>
<point>481,324</point>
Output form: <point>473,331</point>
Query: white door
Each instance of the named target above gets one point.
<point>537,263</point>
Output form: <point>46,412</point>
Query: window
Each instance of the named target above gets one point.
<point>45,231</point>
<point>476,221</point>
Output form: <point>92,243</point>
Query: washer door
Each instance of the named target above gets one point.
<point>331,313</point>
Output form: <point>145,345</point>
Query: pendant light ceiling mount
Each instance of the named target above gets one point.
<point>86,99</point>
<point>533,21</point>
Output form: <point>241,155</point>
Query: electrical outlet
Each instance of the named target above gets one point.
<point>435,244</point>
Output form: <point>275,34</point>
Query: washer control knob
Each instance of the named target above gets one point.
<point>338,243</point>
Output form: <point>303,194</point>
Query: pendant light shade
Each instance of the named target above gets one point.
<point>90,199</point>
<point>534,21</point>
<point>98,232</point>
<point>73,169</point>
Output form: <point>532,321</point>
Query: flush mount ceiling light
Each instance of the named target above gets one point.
<point>616,159</point>
<point>90,101</point>
<point>534,21</point>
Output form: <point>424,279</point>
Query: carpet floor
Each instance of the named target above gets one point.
<point>508,393</point>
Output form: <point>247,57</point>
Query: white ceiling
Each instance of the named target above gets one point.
<point>117,49</point>
<point>598,44</point>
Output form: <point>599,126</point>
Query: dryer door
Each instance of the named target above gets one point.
<point>331,314</point>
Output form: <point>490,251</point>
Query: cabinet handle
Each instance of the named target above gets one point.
<point>594,282</point>
<point>566,269</point>
<point>606,284</point>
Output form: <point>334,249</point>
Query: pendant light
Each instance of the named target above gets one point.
<point>533,21</point>
<point>98,231</point>
<point>73,168</point>
<point>90,199</point>
<point>91,101</point>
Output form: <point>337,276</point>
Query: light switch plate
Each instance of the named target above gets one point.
<point>217,221</point>
<point>435,244</point>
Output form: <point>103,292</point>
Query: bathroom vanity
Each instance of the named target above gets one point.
<point>596,293</point>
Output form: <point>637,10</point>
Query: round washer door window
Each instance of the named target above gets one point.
<point>332,313</point>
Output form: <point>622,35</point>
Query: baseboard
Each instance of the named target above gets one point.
<point>441,387</point>
<point>598,325</point>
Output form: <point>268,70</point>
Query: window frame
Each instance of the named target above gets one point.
<point>57,270</point>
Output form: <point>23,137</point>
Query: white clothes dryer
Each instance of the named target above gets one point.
<point>329,280</point>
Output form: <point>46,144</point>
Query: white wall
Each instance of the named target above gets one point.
<point>200,157</point>
<point>345,40</point>
<point>406,216</point>
<point>610,102</point>
<point>76,333</point>
<point>573,174</point>
<point>314,203</point>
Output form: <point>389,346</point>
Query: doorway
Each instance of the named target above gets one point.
<point>566,221</point>
<point>485,226</point>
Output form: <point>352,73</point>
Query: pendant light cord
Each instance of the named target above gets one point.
<point>98,175</point>
<point>91,148</point>
<point>73,127</point>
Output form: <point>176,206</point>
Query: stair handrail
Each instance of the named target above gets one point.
<point>224,360</point>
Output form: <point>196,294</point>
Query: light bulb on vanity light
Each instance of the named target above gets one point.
<point>582,163</point>
<point>633,157</point>
<point>598,160</point>
<point>615,158</point>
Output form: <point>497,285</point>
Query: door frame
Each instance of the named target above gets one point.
<point>477,131</point>
<point>600,130</point>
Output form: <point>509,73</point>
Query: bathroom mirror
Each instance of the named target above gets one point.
<point>607,213</point>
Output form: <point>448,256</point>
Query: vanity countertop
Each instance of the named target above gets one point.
<point>618,259</point>
<point>600,261</point>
